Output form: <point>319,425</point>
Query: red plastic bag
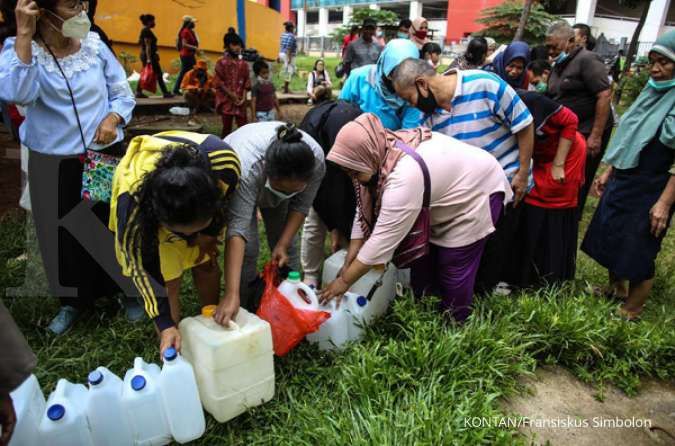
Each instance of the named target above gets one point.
<point>148,80</point>
<point>289,324</point>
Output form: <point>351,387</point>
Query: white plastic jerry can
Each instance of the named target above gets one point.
<point>65,421</point>
<point>181,398</point>
<point>291,288</point>
<point>142,403</point>
<point>234,365</point>
<point>385,277</point>
<point>107,421</point>
<point>29,406</point>
<point>334,332</point>
<point>356,307</point>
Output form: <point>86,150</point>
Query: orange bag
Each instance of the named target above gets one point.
<point>148,80</point>
<point>289,324</point>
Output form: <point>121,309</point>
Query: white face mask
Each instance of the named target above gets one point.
<point>76,27</point>
<point>280,194</point>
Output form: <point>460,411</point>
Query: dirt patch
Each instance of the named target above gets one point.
<point>561,410</point>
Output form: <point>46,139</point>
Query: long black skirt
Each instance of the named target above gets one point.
<point>619,236</point>
<point>545,251</point>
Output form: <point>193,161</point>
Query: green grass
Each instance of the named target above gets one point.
<point>306,64</point>
<point>413,380</point>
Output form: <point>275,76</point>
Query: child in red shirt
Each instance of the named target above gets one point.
<point>231,81</point>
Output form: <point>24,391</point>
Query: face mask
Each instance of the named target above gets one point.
<point>76,27</point>
<point>421,34</point>
<point>428,104</point>
<point>233,54</point>
<point>661,85</point>
<point>541,87</point>
<point>279,194</point>
<point>402,35</point>
<point>562,56</point>
<point>262,79</point>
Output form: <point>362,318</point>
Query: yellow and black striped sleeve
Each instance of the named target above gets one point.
<point>144,270</point>
<point>224,162</point>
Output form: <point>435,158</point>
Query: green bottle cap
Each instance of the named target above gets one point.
<point>294,276</point>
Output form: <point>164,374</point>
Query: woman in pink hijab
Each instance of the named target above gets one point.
<point>468,189</point>
<point>419,31</point>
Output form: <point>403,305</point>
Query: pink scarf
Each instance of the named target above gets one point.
<point>365,146</point>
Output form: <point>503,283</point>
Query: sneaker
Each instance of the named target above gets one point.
<point>141,96</point>
<point>502,289</point>
<point>134,310</point>
<point>64,320</point>
<point>169,95</point>
<point>193,123</point>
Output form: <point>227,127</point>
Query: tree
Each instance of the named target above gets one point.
<point>632,48</point>
<point>382,17</point>
<point>527,6</point>
<point>501,22</point>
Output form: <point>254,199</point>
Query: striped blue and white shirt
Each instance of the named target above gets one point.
<point>287,42</point>
<point>486,113</point>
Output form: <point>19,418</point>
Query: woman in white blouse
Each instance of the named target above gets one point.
<point>76,97</point>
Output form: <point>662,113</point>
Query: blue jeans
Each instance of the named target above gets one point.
<point>265,116</point>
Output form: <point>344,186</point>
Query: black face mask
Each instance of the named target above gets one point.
<point>428,104</point>
<point>233,54</point>
<point>388,84</point>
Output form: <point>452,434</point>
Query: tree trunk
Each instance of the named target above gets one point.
<point>632,49</point>
<point>527,5</point>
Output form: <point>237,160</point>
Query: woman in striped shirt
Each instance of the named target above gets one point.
<point>167,213</point>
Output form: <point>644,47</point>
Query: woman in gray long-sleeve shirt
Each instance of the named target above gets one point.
<point>281,170</point>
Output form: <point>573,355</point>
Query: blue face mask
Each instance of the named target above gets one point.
<point>562,56</point>
<point>402,35</point>
<point>661,85</point>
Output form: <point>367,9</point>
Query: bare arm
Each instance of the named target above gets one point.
<point>27,13</point>
<point>558,171</point>
<point>525,148</point>
<point>660,212</point>
<point>294,222</point>
<point>234,259</point>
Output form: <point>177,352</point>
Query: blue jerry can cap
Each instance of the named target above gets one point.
<point>138,383</point>
<point>170,354</point>
<point>95,378</point>
<point>361,301</point>
<point>56,412</point>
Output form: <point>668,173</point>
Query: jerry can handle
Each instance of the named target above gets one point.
<point>310,293</point>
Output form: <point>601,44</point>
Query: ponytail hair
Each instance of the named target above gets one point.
<point>181,190</point>
<point>289,157</point>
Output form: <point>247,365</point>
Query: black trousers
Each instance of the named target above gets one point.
<point>500,244</point>
<point>592,165</point>
<point>75,274</point>
<point>186,64</point>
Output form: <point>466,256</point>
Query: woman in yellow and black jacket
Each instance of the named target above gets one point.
<point>167,212</point>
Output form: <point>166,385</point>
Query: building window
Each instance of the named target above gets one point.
<point>334,16</point>
<point>312,17</point>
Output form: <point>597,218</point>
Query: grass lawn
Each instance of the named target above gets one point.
<point>413,380</point>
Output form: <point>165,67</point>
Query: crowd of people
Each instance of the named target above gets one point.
<point>475,178</point>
